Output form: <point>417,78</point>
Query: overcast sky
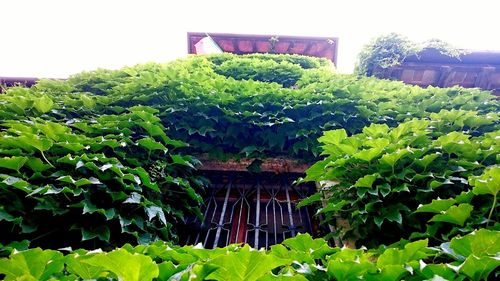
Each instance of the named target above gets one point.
<point>56,38</point>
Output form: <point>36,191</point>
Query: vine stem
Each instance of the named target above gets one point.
<point>492,208</point>
<point>43,155</point>
<point>44,234</point>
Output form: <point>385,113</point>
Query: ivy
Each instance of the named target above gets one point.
<point>76,175</point>
<point>108,157</point>
<point>391,50</point>
<point>284,73</point>
<point>218,105</point>
<point>473,256</point>
<point>419,179</point>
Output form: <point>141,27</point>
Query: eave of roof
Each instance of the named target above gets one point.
<point>323,47</point>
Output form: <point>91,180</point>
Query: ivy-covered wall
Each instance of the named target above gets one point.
<point>232,106</point>
<point>106,158</point>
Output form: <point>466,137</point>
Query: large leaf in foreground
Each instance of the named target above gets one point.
<point>488,182</point>
<point>478,243</point>
<point>75,264</point>
<point>13,163</point>
<point>33,264</point>
<point>412,251</point>
<point>455,214</point>
<point>479,268</point>
<point>247,264</point>
<point>127,266</point>
<point>436,206</point>
<point>305,243</point>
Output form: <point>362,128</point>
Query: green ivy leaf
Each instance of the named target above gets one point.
<point>14,163</point>
<point>145,114</point>
<point>368,154</point>
<point>435,184</point>
<point>74,147</point>
<point>333,207</point>
<point>377,143</point>
<point>487,183</point>
<point>249,150</point>
<point>37,165</point>
<point>181,160</point>
<point>427,160</point>
<point>88,181</point>
<point>436,206</point>
<point>479,268</point>
<point>391,158</point>
<point>464,197</point>
<point>134,198</point>
<point>54,131</point>
<point>455,214</point>
<point>391,272</point>
<point>309,200</point>
<point>391,213</point>
<point>144,178</point>
<point>42,144</point>
<point>17,183</point>
<point>413,251</point>
<point>314,172</point>
<point>167,269</point>
<point>34,264</point>
<point>376,130</point>
<point>151,144</point>
<point>367,181</point>
<point>316,248</point>
<point>5,216</point>
<point>478,243</point>
<point>246,264</point>
<point>333,137</point>
<point>87,101</point>
<point>43,104</point>
<point>199,272</point>
<point>348,270</point>
<point>127,266</point>
<point>155,211</point>
<point>437,272</point>
<point>102,232</point>
<point>75,265</point>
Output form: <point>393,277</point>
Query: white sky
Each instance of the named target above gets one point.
<point>55,38</point>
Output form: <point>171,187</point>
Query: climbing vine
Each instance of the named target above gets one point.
<point>107,159</point>
<point>391,49</point>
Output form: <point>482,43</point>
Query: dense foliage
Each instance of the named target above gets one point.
<point>383,176</point>
<point>391,49</point>
<point>304,62</point>
<point>227,117</point>
<point>71,172</point>
<point>105,158</point>
<point>283,73</point>
<point>471,257</point>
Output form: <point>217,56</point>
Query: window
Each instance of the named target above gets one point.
<point>258,209</point>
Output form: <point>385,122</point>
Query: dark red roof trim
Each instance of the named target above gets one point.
<point>323,47</point>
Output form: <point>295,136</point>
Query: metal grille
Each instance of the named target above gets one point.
<point>247,208</point>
